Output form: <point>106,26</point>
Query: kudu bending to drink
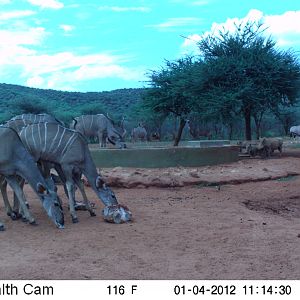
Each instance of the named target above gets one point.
<point>101,126</point>
<point>68,150</point>
<point>15,160</point>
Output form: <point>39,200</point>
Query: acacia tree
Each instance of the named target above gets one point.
<point>287,117</point>
<point>246,69</point>
<point>171,91</point>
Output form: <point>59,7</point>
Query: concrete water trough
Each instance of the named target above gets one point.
<point>207,143</point>
<point>164,157</point>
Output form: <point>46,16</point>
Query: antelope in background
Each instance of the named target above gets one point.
<point>99,126</point>
<point>139,133</point>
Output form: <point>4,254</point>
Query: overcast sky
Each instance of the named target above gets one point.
<point>94,45</point>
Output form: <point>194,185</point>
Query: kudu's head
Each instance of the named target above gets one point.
<point>51,204</point>
<point>105,193</point>
<point>115,138</point>
<point>116,134</point>
<point>113,211</point>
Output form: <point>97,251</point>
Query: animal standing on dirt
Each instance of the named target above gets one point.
<point>101,126</point>
<point>16,160</point>
<point>253,150</point>
<point>247,146</point>
<point>295,131</point>
<point>138,133</point>
<point>68,150</point>
<point>269,145</point>
<point>18,125</point>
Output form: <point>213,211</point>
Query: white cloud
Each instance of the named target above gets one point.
<point>284,28</point>
<point>54,4</point>
<point>177,22</point>
<point>32,36</point>
<point>15,14</point>
<point>287,23</point>
<point>189,45</point>
<point>21,59</point>
<point>35,81</point>
<point>66,75</point>
<point>125,9</point>
<point>61,70</point>
<point>66,28</point>
<point>45,64</point>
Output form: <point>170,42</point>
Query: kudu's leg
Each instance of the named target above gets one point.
<point>280,150</point>
<point>63,179</point>
<point>16,208</point>
<point>9,211</point>
<point>71,191</point>
<point>13,182</point>
<point>2,228</point>
<point>79,183</point>
<point>102,139</point>
<point>45,168</point>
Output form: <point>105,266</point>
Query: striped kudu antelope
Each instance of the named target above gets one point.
<point>98,126</point>
<point>17,123</point>
<point>45,167</point>
<point>139,133</point>
<point>15,160</point>
<point>68,150</point>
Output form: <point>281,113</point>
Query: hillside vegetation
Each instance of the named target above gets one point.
<point>16,99</point>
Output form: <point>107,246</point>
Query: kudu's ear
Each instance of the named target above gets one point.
<point>99,182</point>
<point>41,189</point>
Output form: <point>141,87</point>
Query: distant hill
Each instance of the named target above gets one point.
<point>15,99</point>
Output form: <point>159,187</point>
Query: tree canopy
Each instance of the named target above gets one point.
<point>240,73</point>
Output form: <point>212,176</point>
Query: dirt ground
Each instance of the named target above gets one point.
<point>234,221</point>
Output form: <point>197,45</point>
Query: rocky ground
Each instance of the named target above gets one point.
<point>245,170</point>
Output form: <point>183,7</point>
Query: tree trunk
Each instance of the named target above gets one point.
<point>230,131</point>
<point>247,116</point>
<point>179,133</point>
<point>257,128</point>
<point>286,125</point>
<point>159,133</point>
<point>257,120</point>
<point>175,128</point>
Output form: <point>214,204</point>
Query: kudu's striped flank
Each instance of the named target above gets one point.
<point>68,150</point>
<point>36,118</point>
